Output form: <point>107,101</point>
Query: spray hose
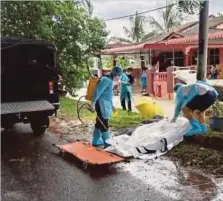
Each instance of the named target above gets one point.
<point>88,107</point>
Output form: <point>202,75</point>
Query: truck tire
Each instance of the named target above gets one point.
<point>7,122</point>
<point>7,126</point>
<point>39,126</point>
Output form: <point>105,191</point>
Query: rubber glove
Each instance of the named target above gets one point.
<point>127,83</point>
<point>173,120</point>
<point>113,108</point>
<point>92,107</point>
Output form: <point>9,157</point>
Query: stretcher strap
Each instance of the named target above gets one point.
<point>145,150</point>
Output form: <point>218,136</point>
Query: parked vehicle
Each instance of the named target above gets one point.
<point>29,83</point>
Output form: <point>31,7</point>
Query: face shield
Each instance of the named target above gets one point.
<point>117,72</point>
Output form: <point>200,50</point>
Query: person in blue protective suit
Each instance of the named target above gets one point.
<point>103,105</point>
<point>193,100</point>
<point>213,73</point>
<point>126,92</point>
<point>143,81</point>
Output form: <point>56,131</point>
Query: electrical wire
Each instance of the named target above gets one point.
<point>140,13</point>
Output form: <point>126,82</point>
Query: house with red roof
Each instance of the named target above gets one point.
<point>177,48</point>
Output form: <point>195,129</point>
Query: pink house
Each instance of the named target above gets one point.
<point>177,48</point>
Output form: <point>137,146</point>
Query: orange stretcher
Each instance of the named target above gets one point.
<point>85,152</point>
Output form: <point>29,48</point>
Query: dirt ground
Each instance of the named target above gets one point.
<point>201,152</point>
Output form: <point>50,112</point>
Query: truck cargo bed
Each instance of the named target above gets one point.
<point>26,106</point>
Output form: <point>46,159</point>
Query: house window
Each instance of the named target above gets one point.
<point>143,63</point>
<point>194,60</point>
<point>169,58</point>
<point>214,56</point>
<point>166,59</point>
<point>150,58</point>
<point>178,58</point>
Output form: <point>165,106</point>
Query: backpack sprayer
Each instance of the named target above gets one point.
<point>88,97</point>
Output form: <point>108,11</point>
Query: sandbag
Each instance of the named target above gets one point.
<point>150,140</point>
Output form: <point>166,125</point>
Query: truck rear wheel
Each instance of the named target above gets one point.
<point>40,125</point>
<point>7,122</point>
<point>7,126</point>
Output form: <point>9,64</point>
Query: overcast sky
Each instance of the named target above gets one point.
<point>107,9</point>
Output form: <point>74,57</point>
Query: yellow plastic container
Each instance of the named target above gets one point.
<point>91,87</point>
<point>148,108</point>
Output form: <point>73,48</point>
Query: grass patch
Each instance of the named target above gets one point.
<point>124,119</point>
<point>68,107</point>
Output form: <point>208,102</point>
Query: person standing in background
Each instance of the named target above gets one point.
<point>213,73</point>
<point>143,80</point>
<point>126,91</point>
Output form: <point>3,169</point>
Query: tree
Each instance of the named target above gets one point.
<point>76,34</point>
<point>136,33</point>
<point>88,5</point>
<point>220,15</point>
<point>170,18</point>
<point>107,61</point>
<point>189,7</point>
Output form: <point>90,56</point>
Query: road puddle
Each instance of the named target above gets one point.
<point>174,181</point>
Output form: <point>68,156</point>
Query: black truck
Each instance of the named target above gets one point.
<point>29,83</point>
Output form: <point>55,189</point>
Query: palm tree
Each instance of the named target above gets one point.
<point>220,15</point>
<point>136,32</point>
<point>171,18</point>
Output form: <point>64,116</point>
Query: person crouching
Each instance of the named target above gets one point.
<point>193,100</point>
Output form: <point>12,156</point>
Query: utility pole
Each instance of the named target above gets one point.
<point>203,40</point>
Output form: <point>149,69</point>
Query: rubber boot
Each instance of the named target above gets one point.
<point>195,128</point>
<point>106,136</point>
<point>204,128</point>
<point>97,140</point>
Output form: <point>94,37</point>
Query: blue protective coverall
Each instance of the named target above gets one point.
<point>103,94</point>
<point>103,104</point>
<point>185,94</point>
<point>126,92</point>
<point>125,87</point>
<point>143,80</point>
<point>102,99</point>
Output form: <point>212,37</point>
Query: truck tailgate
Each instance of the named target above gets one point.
<point>26,106</point>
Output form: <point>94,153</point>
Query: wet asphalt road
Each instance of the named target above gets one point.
<point>33,171</point>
